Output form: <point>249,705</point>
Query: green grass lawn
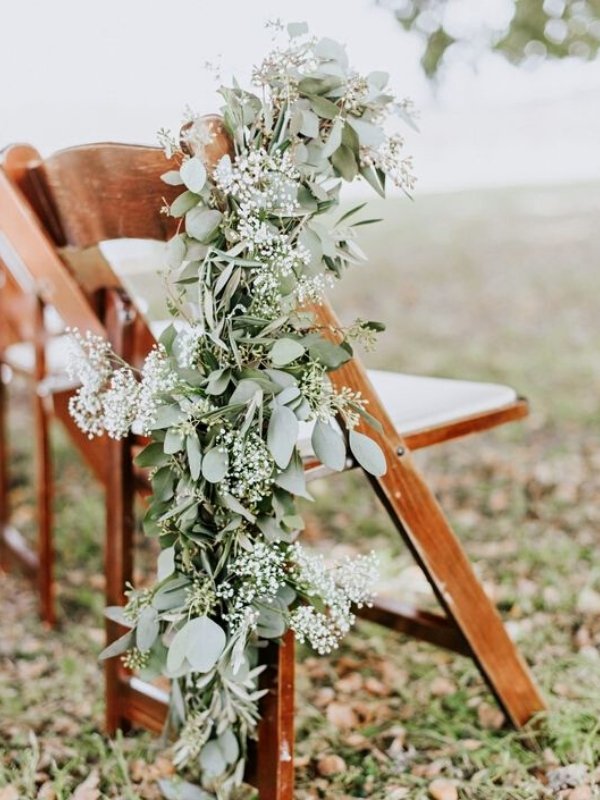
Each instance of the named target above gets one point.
<point>497,285</point>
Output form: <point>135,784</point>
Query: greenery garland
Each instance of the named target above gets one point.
<point>223,394</point>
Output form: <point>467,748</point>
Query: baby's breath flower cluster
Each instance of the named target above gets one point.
<point>389,158</point>
<point>253,576</point>
<point>251,467</point>
<point>223,394</point>
<point>347,583</point>
<point>110,398</point>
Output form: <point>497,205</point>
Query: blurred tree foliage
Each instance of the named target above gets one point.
<point>529,29</point>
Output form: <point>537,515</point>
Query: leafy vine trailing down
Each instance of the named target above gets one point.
<point>223,393</point>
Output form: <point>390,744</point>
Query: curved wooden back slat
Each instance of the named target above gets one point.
<point>99,192</point>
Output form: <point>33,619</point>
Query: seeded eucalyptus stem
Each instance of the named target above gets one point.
<point>223,393</point>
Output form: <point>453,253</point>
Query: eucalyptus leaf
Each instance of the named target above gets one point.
<point>345,163</point>
<point>271,622</point>
<point>370,135</point>
<point>282,435</point>
<point>218,381</point>
<point>202,223</point>
<point>175,252</point>
<point>215,465</point>
<point>329,354</point>
<point>147,628</point>
<point>193,174</point>
<point>284,351</point>
<point>194,454</point>
<point>229,746</point>
<point>172,178</point>
<point>205,642</point>
<point>183,203</point>
<point>118,647</point>
<point>152,455</point>
<point>166,563</point>
<point>117,614</point>
<point>368,453</point>
<point>293,479</point>
<point>173,441</point>
<point>212,760</point>
<point>329,446</point>
<point>323,107</point>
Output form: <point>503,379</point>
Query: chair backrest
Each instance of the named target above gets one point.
<point>79,198</point>
<point>100,192</point>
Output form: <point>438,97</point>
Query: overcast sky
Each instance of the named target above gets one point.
<point>75,71</point>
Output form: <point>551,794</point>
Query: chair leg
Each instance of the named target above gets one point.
<point>44,508</point>
<point>4,506</point>
<point>120,522</point>
<point>43,462</point>
<point>423,526</point>
<point>275,749</point>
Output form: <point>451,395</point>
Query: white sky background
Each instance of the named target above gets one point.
<point>74,71</point>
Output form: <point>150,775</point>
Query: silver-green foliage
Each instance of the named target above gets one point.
<point>257,245</point>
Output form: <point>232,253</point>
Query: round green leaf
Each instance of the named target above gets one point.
<point>329,445</point>
<point>193,174</point>
<point>205,642</point>
<point>282,435</point>
<point>214,465</point>
<point>368,454</point>
<point>147,628</point>
<point>201,223</point>
<point>284,351</point>
<point>212,760</point>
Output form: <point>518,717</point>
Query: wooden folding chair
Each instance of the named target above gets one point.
<point>33,344</point>
<point>102,192</point>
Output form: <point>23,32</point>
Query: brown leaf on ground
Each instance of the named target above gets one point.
<point>324,697</point>
<point>331,765</point>
<point>342,716</point>
<point>441,687</point>
<point>442,789</point>
<point>46,792</point>
<point>88,790</point>
<point>352,682</point>
<point>490,717</point>
<point>428,770</point>
<point>376,687</point>
<point>583,792</point>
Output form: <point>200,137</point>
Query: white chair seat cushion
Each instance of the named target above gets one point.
<point>414,402</point>
<point>21,356</point>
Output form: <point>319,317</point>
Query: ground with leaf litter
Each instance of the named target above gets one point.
<point>499,286</point>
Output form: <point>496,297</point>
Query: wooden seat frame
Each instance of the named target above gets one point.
<point>82,196</point>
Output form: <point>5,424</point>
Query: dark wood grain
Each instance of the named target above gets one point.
<point>82,196</point>
<point>107,191</point>
<point>43,480</point>
<point>424,528</point>
<point>120,521</point>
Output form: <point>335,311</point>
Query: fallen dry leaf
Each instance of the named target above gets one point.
<point>376,687</point>
<point>582,792</point>
<point>88,790</point>
<point>441,687</point>
<point>331,765</point>
<point>352,682</point>
<point>490,717</point>
<point>442,789</point>
<point>342,716</point>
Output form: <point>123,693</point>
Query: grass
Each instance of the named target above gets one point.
<point>497,285</point>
